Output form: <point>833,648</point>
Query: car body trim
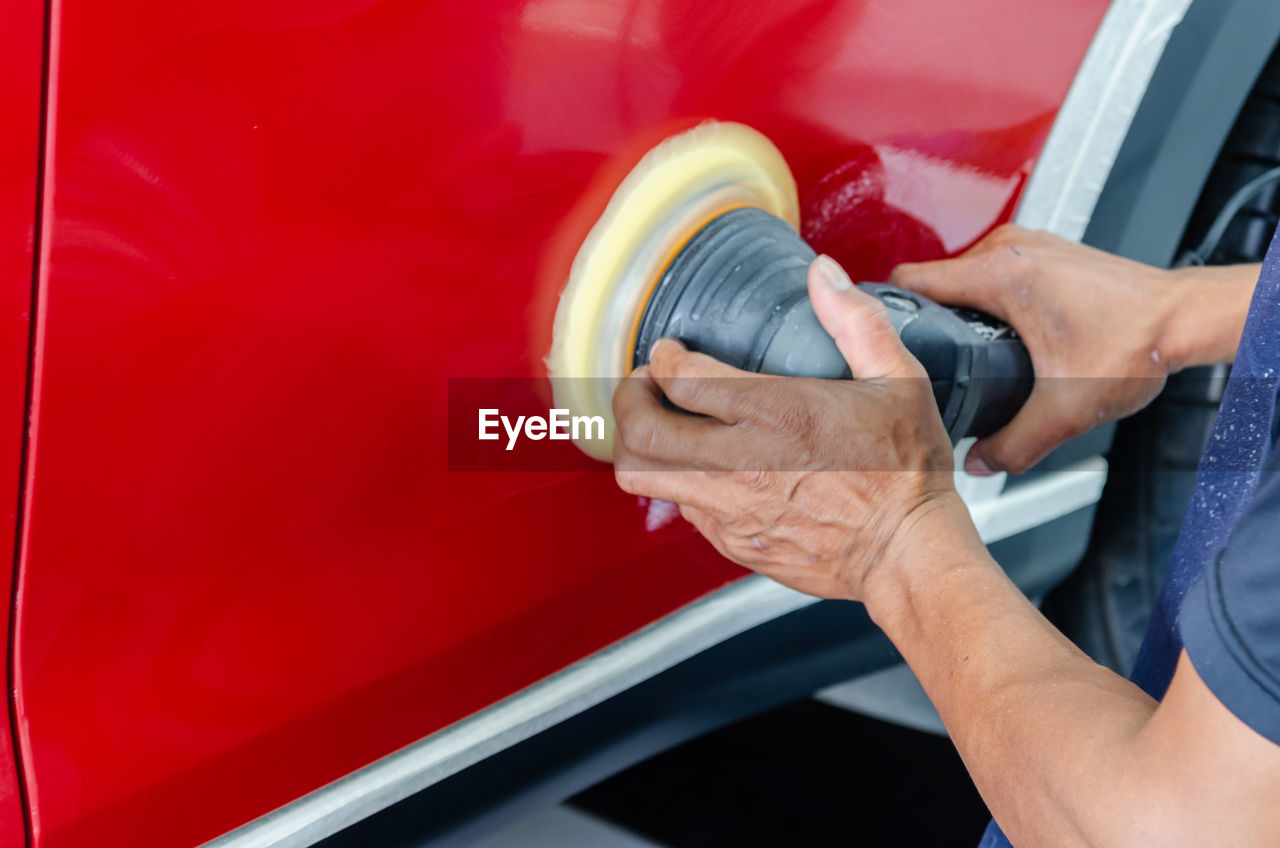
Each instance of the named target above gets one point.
<point>1096,114</point>
<point>659,646</point>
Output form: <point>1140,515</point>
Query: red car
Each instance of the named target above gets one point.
<point>245,245</point>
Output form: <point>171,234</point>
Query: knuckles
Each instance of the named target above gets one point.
<point>628,480</point>
<point>630,472</point>
<point>642,438</point>
<point>1005,236</point>
<point>757,480</point>
<point>871,309</point>
<point>1008,252</point>
<point>1005,459</point>
<point>1013,240</point>
<point>683,366</point>
<point>789,412</point>
<point>635,433</point>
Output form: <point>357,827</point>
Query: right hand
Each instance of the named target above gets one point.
<point>1092,322</point>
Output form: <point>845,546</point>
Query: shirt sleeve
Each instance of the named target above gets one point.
<point>1230,619</point>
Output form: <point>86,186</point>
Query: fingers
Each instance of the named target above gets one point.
<point>638,477</point>
<point>698,383</point>
<point>646,428</point>
<point>858,323</point>
<point>978,279</point>
<point>954,282</point>
<point>650,430</point>
<point>1048,419</point>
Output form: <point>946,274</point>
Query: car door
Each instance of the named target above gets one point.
<point>274,231</point>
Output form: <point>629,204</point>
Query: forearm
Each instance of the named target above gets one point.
<point>1065,752</point>
<point>1045,732</point>
<point>1204,314</point>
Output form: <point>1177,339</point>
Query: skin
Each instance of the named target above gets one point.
<point>844,489</point>
<point>1103,332</point>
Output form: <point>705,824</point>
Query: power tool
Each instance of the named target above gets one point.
<point>700,243</point>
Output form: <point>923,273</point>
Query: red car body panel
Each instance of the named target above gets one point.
<point>276,229</point>
<point>21,65</point>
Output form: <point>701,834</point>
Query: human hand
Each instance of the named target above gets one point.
<point>815,483</point>
<point>1095,325</point>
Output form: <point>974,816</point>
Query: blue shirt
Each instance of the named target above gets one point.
<point>1221,596</point>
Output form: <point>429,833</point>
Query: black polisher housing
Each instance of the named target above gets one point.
<point>737,291</point>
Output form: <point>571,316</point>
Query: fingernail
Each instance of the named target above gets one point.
<point>974,464</point>
<point>832,274</point>
<point>654,348</point>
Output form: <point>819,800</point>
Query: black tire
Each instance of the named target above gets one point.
<point>1252,148</point>
<point>1105,604</point>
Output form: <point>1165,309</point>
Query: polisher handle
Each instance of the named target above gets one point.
<point>980,369</point>
<point>737,291</point>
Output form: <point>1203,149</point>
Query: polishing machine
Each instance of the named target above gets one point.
<point>700,243</point>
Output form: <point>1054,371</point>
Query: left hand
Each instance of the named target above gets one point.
<point>815,483</point>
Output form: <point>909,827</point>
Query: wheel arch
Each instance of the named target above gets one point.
<point>1197,89</point>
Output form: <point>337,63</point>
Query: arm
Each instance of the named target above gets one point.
<point>844,489</point>
<point>1064,751</point>
<point>1103,332</point>
<point>1206,314</point>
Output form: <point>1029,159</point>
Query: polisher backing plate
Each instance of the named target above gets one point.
<point>673,191</point>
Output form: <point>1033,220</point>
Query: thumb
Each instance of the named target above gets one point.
<point>858,323</point>
<point>1046,420</point>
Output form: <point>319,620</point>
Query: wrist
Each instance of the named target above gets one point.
<point>1202,312</point>
<point>937,539</point>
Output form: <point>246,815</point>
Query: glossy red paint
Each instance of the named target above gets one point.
<point>21,65</point>
<point>277,228</point>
